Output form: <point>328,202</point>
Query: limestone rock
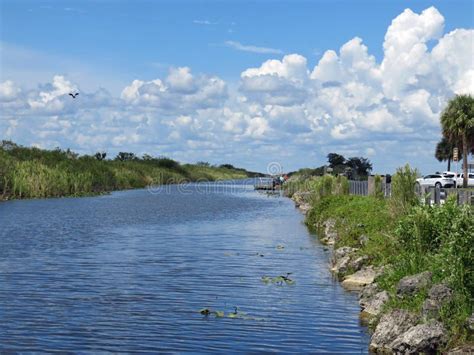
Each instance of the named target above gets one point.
<point>437,296</point>
<point>341,266</point>
<point>467,349</point>
<point>361,278</point>
<point>330,235</point>
<point>357,263</point>
<point>341,260</point>
<point>299,198</point>
<point>375,304</point>
<point>409,285</point>
<point>440,292</point>
<point>304,207</point>
<point>390,327</point>
<point>422,338</point>
<point>367,293</point>
<point>342,252</point>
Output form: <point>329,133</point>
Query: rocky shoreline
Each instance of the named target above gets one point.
<point>397,331</point>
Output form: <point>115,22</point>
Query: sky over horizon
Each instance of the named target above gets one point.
<point>245,83</point>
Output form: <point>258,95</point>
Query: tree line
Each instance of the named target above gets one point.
<point>357,168</point>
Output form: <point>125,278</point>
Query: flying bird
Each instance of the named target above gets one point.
<point>73,95</point>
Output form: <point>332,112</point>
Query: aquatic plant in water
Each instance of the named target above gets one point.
<point>221,314</point>
<point>278,280</point>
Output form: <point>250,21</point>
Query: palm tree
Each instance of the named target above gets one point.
<point>444,151</point>
<point>457,123</point>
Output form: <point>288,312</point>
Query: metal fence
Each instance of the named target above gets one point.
<point>359,187</point>
<point>387,189</point>
<point>438,196</point>
<point>362,188</point>
<point>428,195</point>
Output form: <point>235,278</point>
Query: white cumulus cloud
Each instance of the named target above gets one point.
<point>284,108</point>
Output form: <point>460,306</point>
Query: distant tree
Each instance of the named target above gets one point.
<point>335,159</point>
<point>147,157</point>
<point>444,151</point>
<point>227,166</point>
<point>203,163</point>
<point>100,155</point>
<point>70,154</point>
<point>124,156</point>
<point>457,123</point>
<point>362,166</point>
<point>168,163</point>
<point>8,145</point>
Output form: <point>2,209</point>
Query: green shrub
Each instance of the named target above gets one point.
<point>378,187</point>
<point>403,189</point>
<point>439,239</point>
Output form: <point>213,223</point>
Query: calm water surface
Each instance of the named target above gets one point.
<point>130,271</point>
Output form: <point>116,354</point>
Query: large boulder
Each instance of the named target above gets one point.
<point>341,265</point>
<point>342,252</point>
<point>359,279</point>
<point>299,198</point>
<point>440,292</point>
<point>437,296</point>
<point>357,263</point>
<point>367,293</point>
<point>422,338</point>
<point>375,305</point>
<point>390,327</point>
<point>341,260</point>
<point>304,207</point>
<point>409,285</point>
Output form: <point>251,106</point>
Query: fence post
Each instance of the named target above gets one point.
<point>437,195</point>
<point>371,185</point>
<point>427,195</point>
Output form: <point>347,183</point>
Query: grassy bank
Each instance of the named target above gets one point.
<point>405,237</point>
<point>37,173</point>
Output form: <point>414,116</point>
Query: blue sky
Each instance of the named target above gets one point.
<point>212,111</point>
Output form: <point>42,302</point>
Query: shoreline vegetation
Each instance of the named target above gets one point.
<point>39,173</point>
<point>413,264</point>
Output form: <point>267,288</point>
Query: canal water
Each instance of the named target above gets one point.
<point>130,271</point>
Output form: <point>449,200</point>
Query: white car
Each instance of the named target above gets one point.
<point>470,180</point>
<point>436,180</point>
<point>449,174</point>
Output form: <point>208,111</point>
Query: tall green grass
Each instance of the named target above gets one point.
<point>408,238</point>
<point>37,173</point>
<point>318,187</point>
